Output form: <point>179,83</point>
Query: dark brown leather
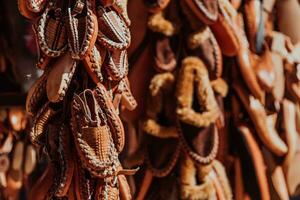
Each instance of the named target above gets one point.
<point>165,59</point>
<point>156,5</point>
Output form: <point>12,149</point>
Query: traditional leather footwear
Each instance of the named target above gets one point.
<point>278,53</point>
<point>124,188</point>
<point>36,95</point>
<point>114,33</point>
<point>84,187</point>
<point>288,11</point>
<point>107,189</point>
<point>245,63</point>
<point>93,63</point>
<point>238,180</point>
<point>225,29</point>
<point>278,187</point>
<point>292,73</point>
<point>160,137</point>
<point>47,27</point>
<point>40,122</point>
<point>159,24</point>
<point>165,58</point>
<point>292,157</point>
<point>265,129</point>
<point>254,167</point>
<point>203,44</point>
<point>189,189</point>
<point>201,154</point>
<point>220,180</point>
<point>206,11</point>
<point>60,77</point>
<point>93,139</point>
<point>194,71</point>
<point>116,64</point>
<point>121,7</point>
<point>220,87</point>
<point>254,25</point>
<point>128,101</point>
<point>65,168</point>
<point>292,177</point>
<point>82,28</point>
<point>291,135</point>
<point>113,120</point>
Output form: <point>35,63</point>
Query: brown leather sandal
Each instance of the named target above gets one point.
<point>205,10</point>
<point>266,130</point>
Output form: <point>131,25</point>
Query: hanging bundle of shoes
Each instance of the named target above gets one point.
<point>215,87</point>
<point>75,103</point>
<point>184,117</point>
<point>218,86</point>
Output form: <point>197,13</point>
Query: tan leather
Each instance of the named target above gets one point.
<point>287,11</point>
<point>292,71</point>
<point>60,77</point>
<point>276,176</point>
<point>279,88</point>
<point>252,10</point>
<point>258,161</point>
<point>266,130</point>
<point>245,63</point>
<point>92,137</point>
<point>124,188</point>
<point>292,137</point>
<point>265,71</point>
<point>238,180</point>
<point>193,67</point>
<point>113,32</point>
<point>292,176</point>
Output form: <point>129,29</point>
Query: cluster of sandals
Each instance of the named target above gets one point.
<point>206,93</point>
